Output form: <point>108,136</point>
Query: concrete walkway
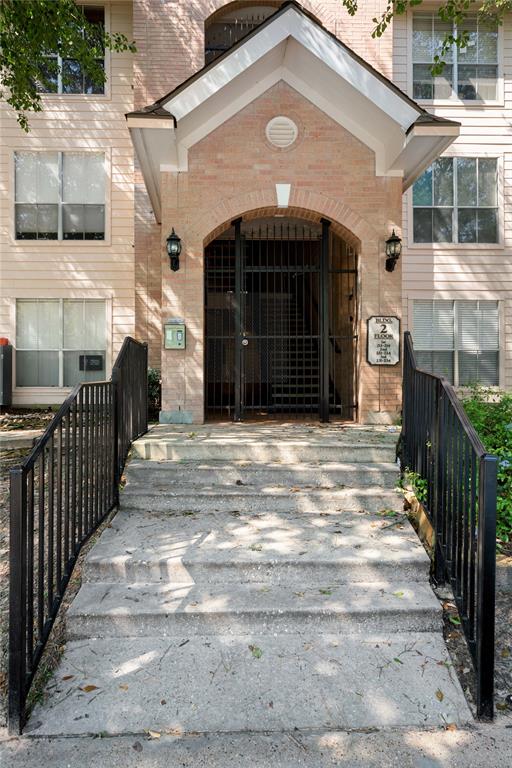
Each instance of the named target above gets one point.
<point>257,580</point>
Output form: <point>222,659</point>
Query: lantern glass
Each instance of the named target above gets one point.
<point>393,246</point>
<point>173,244</point>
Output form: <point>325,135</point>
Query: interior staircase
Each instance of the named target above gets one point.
<point>257,578</point>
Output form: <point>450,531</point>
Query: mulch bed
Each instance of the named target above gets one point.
<point>22,418</point>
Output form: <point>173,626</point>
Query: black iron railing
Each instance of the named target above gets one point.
<point>458,485</point>
<point>59,496</point>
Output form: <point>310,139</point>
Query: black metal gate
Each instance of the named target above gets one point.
<point>281,340</point>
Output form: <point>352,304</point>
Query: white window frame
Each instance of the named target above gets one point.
<point>463,152</point>
<point>107,94</point>
<point>463,296</point>
<point>61,349</point>
<point>60,241</point>
<point>454,101</point>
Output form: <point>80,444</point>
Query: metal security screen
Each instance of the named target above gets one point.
<point>280,322</point>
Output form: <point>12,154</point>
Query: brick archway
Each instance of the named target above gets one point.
<point>304,204</point>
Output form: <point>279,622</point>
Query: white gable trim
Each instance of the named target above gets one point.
<point>293,48</point>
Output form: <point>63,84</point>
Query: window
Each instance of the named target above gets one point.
<point>458,340</point>
<point>60,196</point>
<point>456,201</point>
<point>223,31</point>
<point>59,342</point>
<point>470,73</point>
<point>67,76</point>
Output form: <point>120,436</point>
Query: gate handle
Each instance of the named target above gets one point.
<point>245,342</point>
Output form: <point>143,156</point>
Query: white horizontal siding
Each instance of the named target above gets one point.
<point>79,269</point>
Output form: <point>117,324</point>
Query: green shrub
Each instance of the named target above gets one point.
<point>154,393</point>
<point>491,415</point>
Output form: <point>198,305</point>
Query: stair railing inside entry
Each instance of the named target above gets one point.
<point>59,496</point>
<point>441,446</point>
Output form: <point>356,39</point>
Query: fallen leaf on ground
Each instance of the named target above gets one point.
<point>256,547</point>
<point>455,620</point>
<point>325,591</point>
<point>451,727</point>
<point>137,746</point>
<point>89,688</point>
<point>398,661</point>
<point>123,687</point>
<point>154,734</point>
<point>439,695</point>
<point>256,652</point>
<point>68,677</point>
<point>398,594</point>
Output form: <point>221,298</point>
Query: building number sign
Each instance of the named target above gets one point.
<point>383,340</point>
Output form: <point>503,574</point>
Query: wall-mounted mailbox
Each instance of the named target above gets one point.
<point>174,335</point>
<point>90,363</point>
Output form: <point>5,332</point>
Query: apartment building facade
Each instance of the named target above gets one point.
<point>283,146</point>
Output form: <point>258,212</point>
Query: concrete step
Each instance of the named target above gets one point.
<point>167,474</point>
<point>163,610</point>
<point>277,443</point>
<point>225,547</point>
<point>159,498</point>
<point>235,684</point>
<point>156,448</point>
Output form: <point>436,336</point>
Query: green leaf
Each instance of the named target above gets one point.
<point>256,652</point>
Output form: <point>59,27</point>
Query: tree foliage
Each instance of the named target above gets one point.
<point>32,29</point>
<point>456,12</point>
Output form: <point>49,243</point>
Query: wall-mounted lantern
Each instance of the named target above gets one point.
<point>174,250</point>
<point>393,251</point>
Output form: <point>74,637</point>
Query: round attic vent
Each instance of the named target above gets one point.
<point>281,131</point>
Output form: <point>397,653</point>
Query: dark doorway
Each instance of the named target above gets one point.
<point>280,298</point>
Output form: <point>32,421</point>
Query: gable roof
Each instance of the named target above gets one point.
<point>290,45</point>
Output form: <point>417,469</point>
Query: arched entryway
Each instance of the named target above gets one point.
<point>280,321</point>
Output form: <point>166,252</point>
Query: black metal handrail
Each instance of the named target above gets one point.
<point>59,495</point>
<point>441,446</point>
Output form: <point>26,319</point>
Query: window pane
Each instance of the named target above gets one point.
<point>37,369</point>
<point>487,181</point>
<point>95,324</point>
<point>49,80</point>
<point>47,226</point>
<point>489,325</point>
<point>48,325</point>
<point>422,41</point>
<point>72,360</point>
<point>73,222</point>
<point>47,177</point>
<point>94,218</point>
<point>26,324</point>
<point>487,45</point>
<point>442,226</point>
<point>467,225</point>
<point>467,84</point>
<point>479,368</point>
<point>422,225</point>
<point>72,77</point>
<point>422,189</point>
<point>90,87</point>
<point>443,84</point>
<point>26,175</point>
<point>83,178</point>
<point>74,325</point>
<point>440,363</point>
<point>443,181</point>
<point>441,29</point>
<point>423,85</point>
<point>487,77</point>
<point>26,222</point>
<point>468,325</point>
<point>487,219</point>
<point>469,54</point>
<point>466,181</point>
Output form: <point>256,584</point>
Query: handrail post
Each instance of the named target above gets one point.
<point>115,415</point>
<point>437,501</point>
<point>17,600</point>
<point>486,579</point>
